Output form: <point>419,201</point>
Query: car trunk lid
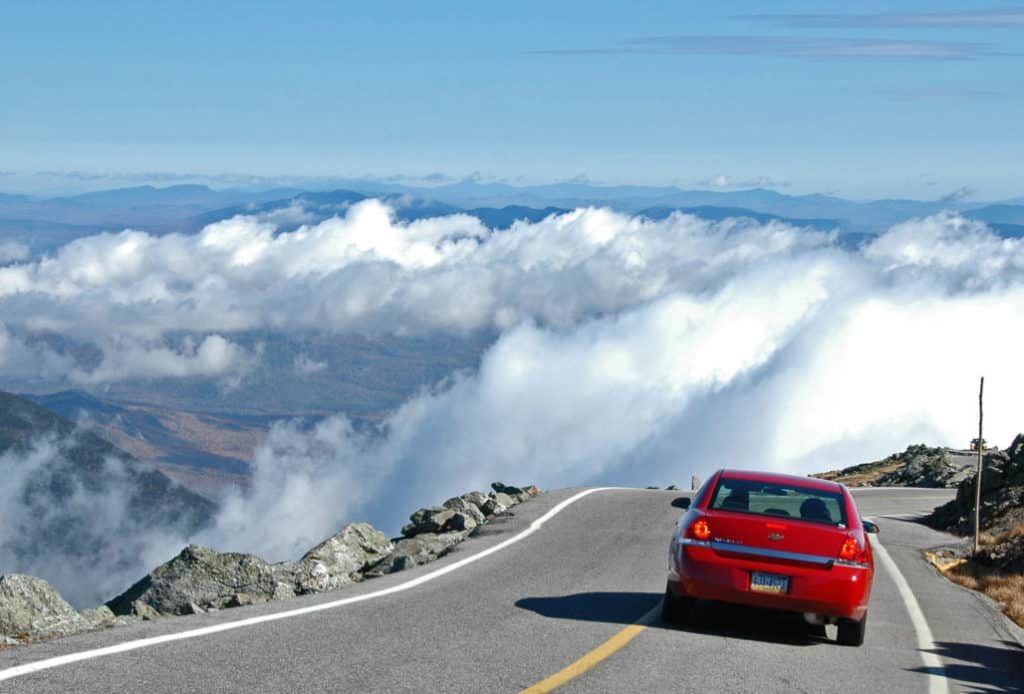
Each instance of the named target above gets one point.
<point>775,539</point>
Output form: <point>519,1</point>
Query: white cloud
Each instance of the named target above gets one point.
<point>731,182</point>
<point>812,359</point>
<point>306,482</point>
<point>125,293</point>
<point>213,357</point>
<point>307,366</point>
<point>948,250</point>
<point>628,351</point>
<point>12,250</point>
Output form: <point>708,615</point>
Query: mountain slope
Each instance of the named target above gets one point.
<point>73,506</point>
<point>918,466</point>
<point>84,459</point>
<point>162,434</point>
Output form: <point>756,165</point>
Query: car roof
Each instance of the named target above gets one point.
<point>763,476</point>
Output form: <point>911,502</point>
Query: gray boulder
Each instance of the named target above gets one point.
<point>342,558</point>
<point>476,498</point>
<point>506,500</point>
<point>517,493</point>
<point>467,508</point>
<point>463,521</point>
<point>236,600</point>
<point>200,576</point>
<point>99,616</point>
<point>428,520</point>
<point>193,608</point>
<point>493,507</point>
<point>283,591</point>
<point>29,606</point>
<point>414,551</point>
<point>102,617</point>
<point>147,612</point>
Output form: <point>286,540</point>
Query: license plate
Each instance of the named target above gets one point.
<point>768,583</point>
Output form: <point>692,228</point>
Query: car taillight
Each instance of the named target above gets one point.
<point>850,550</point>
<point>852,553</point>
<point>700,529</point>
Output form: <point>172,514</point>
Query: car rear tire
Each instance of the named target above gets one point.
<point>674,609</point>
<point>851,633</point>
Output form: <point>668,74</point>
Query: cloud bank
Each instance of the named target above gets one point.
<point>129,294</point>
<point>805,359</point>
<point>661,350</point>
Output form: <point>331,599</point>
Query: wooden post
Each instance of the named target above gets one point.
<point>977,491</point>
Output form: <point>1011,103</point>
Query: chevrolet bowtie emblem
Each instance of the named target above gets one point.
<point>775,536</point>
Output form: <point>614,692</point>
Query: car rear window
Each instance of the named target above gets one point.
<point>783,500</point>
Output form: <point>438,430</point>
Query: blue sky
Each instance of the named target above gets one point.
<point>893,99</point>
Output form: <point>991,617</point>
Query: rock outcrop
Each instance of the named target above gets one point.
<point>414,551</point>
<point>204,577</point>
<point>433,531</point>
<point>468,509</point>
<point>918,466</point>
<point>519,493</point>
<point>1002,494</point>
<point>341,559</point>
<point>29,606</point>
<point>465,513</point>
<point>200,579</point>
<point>432,519</point>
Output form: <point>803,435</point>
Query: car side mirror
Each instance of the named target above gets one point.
<point>869,527</point>
<point>682,502</point>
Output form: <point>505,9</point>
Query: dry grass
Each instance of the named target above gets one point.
<point>1014,532</point>
<point>1006,589</point>
<point>985,539</point>
<point>861,475</point>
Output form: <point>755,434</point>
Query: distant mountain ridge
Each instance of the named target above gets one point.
<point>44,223</point>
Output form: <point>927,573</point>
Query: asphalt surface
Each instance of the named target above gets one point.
<point>521,614</point>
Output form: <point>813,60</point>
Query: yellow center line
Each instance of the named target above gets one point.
<point>588,661</point>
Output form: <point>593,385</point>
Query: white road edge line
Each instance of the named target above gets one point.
<point>58,661</point>
<point>937,682</point>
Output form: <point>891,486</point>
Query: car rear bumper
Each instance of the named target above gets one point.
<point>831,590</point>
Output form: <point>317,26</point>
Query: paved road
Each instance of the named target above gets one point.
<point>515,617</point>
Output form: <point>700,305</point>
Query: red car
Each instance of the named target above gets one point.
<point>777,541</point>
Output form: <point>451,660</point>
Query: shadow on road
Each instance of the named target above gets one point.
<point>615,608</point>
<point>753,624</point>
<point>712,619</point>
<point>920,518</point>
<point>988,668</point>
